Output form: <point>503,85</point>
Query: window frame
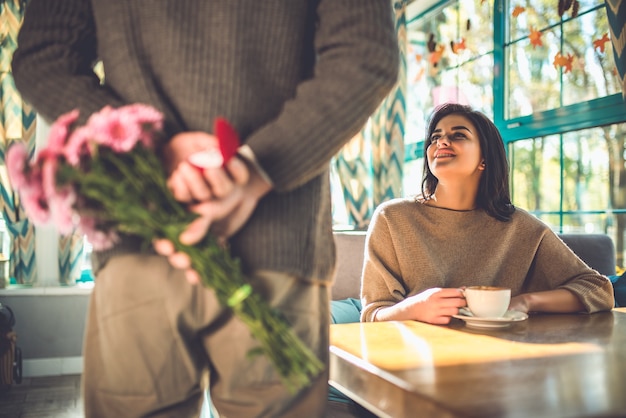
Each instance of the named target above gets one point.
<point>598,112</point>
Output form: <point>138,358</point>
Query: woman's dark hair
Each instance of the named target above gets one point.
<point>493,196</point>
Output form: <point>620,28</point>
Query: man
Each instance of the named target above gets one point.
<point>296,78</point>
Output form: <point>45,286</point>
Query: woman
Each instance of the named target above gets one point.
<point>463,230</point>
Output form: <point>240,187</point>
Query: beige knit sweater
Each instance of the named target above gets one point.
<point>411,247</point>
<point>297,78</point>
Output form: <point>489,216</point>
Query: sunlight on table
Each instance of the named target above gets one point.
<point>409,344</point>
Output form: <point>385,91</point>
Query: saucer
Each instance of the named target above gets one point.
<point>504,321</point>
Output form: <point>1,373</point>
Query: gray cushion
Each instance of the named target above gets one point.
<point>350,248</point>
<point>597,250</point>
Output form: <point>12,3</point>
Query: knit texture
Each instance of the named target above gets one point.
<point>241,59</point>
<point>411,247</point>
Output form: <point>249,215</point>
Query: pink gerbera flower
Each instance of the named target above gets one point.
<point>115,129</point>
<point>149,119</point>
<point>145,115</point>
<point>34,198</point>
<point>17,162</point>
<point>28,180</point>
<point>49,167</point>
<point>60,130</point>
<point>78,145</point>
<point>62,209</point>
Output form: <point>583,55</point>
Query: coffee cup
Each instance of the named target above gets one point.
<point>487,301</point>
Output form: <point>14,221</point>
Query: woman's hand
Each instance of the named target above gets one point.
<point>435,306</point>
<point>519,303</point>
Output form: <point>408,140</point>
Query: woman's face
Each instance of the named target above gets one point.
<point>454,150</point>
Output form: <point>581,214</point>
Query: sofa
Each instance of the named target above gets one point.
<point>597,250</point>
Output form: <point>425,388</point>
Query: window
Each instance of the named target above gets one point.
<point>561,67</point>
<point>564,124</point>
<point>572,180</point>
<point>449,58</point>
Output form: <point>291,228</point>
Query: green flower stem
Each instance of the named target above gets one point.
<point>295,363</point>
<point>128,193</point>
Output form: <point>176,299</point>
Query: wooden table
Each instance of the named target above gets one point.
<point>546,366</point>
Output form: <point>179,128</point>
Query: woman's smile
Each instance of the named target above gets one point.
<point>444,154</point>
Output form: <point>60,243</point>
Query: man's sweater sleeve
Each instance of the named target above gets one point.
<point>53,64</point>
<point>357,65</point>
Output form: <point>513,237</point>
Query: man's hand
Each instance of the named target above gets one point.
<point>224,197</point>
<point>232,203</point>
<point>190,184</point>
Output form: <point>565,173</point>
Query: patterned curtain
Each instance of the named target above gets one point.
<point>17,123</point>
<point>616,13</point>
<point>370,165</point>
<point>70,258</point>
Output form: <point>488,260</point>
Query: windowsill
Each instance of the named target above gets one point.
<point>21,290</point>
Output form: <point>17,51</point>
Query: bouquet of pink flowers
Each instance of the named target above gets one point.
<point>105,179</point>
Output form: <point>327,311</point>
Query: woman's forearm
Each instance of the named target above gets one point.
<point>557,300</point>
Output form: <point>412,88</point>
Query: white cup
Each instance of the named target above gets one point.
<point>487,301</point>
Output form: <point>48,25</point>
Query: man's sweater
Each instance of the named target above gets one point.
<point>296,78</point>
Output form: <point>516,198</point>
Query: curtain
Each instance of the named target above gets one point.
<point>17,123</point>
<point>70,258</point>
<point>370,166</point>
<point>616,13</point>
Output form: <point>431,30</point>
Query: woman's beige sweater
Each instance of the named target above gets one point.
<point>411,247</point>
